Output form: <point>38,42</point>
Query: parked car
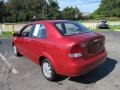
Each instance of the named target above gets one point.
<point>103,24</point>
<point>60,47</point>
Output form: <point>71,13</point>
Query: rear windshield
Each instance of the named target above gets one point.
<point>71,28</point>
<point>104,21</point>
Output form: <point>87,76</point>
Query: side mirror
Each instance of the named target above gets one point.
<point>16,34</point>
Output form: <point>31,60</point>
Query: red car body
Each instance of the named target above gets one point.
<point>70,55</point>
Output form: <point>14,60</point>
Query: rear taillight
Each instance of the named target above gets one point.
<point>75,52</point>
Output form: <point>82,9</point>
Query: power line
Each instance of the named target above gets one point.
<point>83,3</point>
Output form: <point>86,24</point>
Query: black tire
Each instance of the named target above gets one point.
<point>15,51</point>
<point>53,76</point>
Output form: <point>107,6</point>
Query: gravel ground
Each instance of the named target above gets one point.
<point>29,76</point>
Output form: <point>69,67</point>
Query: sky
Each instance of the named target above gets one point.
<point>91,7</point>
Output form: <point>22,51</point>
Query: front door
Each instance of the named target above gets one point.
<point>23,40</point>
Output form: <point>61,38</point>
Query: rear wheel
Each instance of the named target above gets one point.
<point>48,71</point>
<point>15,51</point>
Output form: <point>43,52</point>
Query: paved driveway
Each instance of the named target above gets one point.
<point>27,75</point>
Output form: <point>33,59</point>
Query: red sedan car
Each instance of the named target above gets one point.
<point>60,47</point>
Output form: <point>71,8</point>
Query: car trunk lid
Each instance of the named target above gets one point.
<point>91,44</point>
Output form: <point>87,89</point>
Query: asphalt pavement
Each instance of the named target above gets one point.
<point>19,73</point>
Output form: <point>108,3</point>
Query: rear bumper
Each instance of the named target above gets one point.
<point>103,26</point>
<point>82,67</point>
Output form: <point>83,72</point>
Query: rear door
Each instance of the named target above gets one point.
<point>37,42</point>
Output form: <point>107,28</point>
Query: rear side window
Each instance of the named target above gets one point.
<point>39,31</point>
<point>71,28</point>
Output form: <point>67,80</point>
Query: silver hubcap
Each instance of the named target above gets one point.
<point>14,50</point>
<point>47,70</point>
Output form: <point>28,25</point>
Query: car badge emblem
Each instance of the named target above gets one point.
<point>96,40</point>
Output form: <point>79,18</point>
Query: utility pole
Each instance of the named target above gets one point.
<point>46,10</point>
<point>46,7</point>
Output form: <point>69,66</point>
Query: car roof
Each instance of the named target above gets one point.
<point>103,20</point>
<point>49,21</point>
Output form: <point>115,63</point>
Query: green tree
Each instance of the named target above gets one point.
<point>71,13</point>
<point>24,10</point>
<point>27,10</point>
<point>2,11</point>
<point>108,8</point>
<point>53,10</point>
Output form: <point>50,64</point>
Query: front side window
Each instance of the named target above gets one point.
<point>25,32</point>
<point>71,28</point>
<point>39,31</point>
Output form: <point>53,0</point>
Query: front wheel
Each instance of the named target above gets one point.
<point>48,71</point>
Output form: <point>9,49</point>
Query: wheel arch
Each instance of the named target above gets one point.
<point>50,59</point>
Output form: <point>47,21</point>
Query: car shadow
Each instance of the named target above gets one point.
<point>96,74</point>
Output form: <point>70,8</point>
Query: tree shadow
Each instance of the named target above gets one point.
<point>96,74</point>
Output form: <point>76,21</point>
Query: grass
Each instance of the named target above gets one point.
<point>115,27</point>
<point>104,30</point>
<point>111,28</point>
<point>6,34</point>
